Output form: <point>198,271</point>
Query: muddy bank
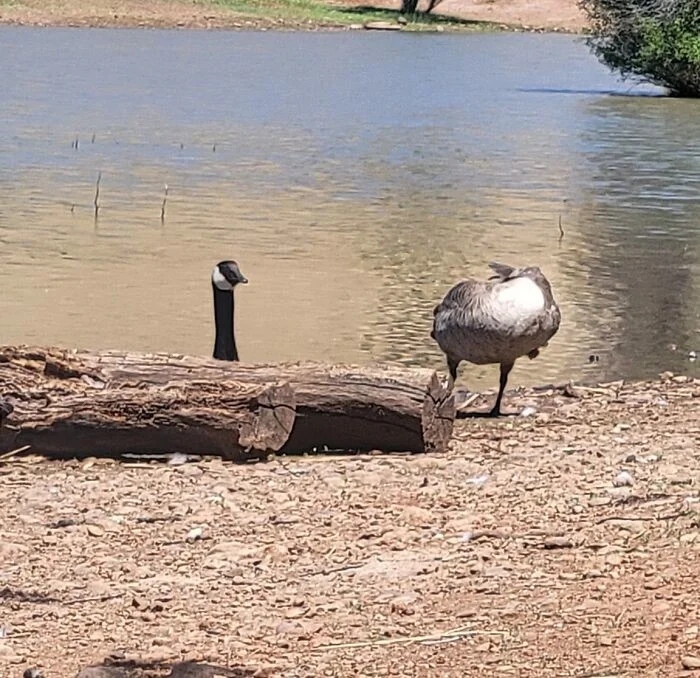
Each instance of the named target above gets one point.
<point>566,542</point>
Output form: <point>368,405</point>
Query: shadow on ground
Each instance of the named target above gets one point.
<point>130,668</point>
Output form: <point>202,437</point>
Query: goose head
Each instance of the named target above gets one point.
<point>226,275</point>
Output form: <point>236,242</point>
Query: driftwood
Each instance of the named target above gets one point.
<point>77,403</point>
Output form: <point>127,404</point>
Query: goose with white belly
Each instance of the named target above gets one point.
<point>511,315</point>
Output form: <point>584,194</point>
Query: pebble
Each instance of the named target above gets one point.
<point>614,559</point>
<point>7,656</point>
<point>599,501</point>
<point>557,543</point>
<point>194,534</point>
<point>623,478</point>
<point>95,531</point>
<point>691,663</point>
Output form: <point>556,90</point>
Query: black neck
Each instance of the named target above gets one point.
<point>225,344</point>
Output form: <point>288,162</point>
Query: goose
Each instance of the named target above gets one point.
<point>224,278</point>
<point>512,314</point>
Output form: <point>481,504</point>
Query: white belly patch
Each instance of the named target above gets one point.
<point>519,297</point>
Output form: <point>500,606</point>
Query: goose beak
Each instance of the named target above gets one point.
<point>243,280</point>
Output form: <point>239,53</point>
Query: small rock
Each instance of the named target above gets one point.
<point>623,478</point>
<point>688,538</point>
<point>599,501</point>
<point>466,613</point>
<point>177,459</point>
<point>528,411</point>
<point>402,605</point>
<point>614,559</point>
<point>289,628</point>
<point>194,534</point>
<point>32,673</point>
<point>691,663</point>
<point>692,356</point>
<point>95,531</point>
<point>557,543</point>
<point>8,656</point>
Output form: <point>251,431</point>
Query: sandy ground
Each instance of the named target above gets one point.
<point>564,543</point>
<point>550,14</point>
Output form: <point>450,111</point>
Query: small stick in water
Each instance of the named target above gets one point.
<point>162,207</point>
<point>96,202</point>
<point>213,148</point>
<point>561,230</point>
<point>92,141</point>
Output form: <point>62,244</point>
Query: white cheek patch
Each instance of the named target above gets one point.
<point>218,279</point>
<point>522,295</point>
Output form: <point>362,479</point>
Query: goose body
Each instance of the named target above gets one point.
<point>224,278</point>
<point>511,315</point>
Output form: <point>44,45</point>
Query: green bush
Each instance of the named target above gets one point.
<point>653,40</point>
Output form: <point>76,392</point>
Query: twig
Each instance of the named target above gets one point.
<point>96,202</point>
<point>561,230</point>
<point>92,599</point>
<point>12,453</point>
<point>162,207</point>
<point>666,516</point>
<point>445,636</point>
<point>473,397</point>
<point>340,568</point>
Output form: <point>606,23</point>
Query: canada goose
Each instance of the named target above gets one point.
<point>225,276</point>
<point>511,315</point>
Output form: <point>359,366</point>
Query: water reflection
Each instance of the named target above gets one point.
<point>353,191</point>
<point>639,189</point>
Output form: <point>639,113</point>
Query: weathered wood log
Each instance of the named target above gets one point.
<point>188,404</point>
<point>233,420</point>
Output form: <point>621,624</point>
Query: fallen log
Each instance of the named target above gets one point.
<point>109,402</point>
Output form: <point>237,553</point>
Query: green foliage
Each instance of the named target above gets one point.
<point>653,40</point>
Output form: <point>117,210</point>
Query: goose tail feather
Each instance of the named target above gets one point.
<point>502,271</point>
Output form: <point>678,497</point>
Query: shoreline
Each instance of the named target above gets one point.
<point>271,25</point>
<point>329,17</point>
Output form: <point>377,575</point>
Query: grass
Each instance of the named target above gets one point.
<point>330,14</point>
<point>265,13</point>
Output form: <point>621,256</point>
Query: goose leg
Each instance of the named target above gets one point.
<point>505,371</point>
<point>452,365</point>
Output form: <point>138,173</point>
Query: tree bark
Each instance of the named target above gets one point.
<point>78,402</point>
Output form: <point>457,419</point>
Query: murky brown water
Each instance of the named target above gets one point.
<point>355,177</point>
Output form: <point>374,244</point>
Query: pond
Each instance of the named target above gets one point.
<point>355,176</point>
